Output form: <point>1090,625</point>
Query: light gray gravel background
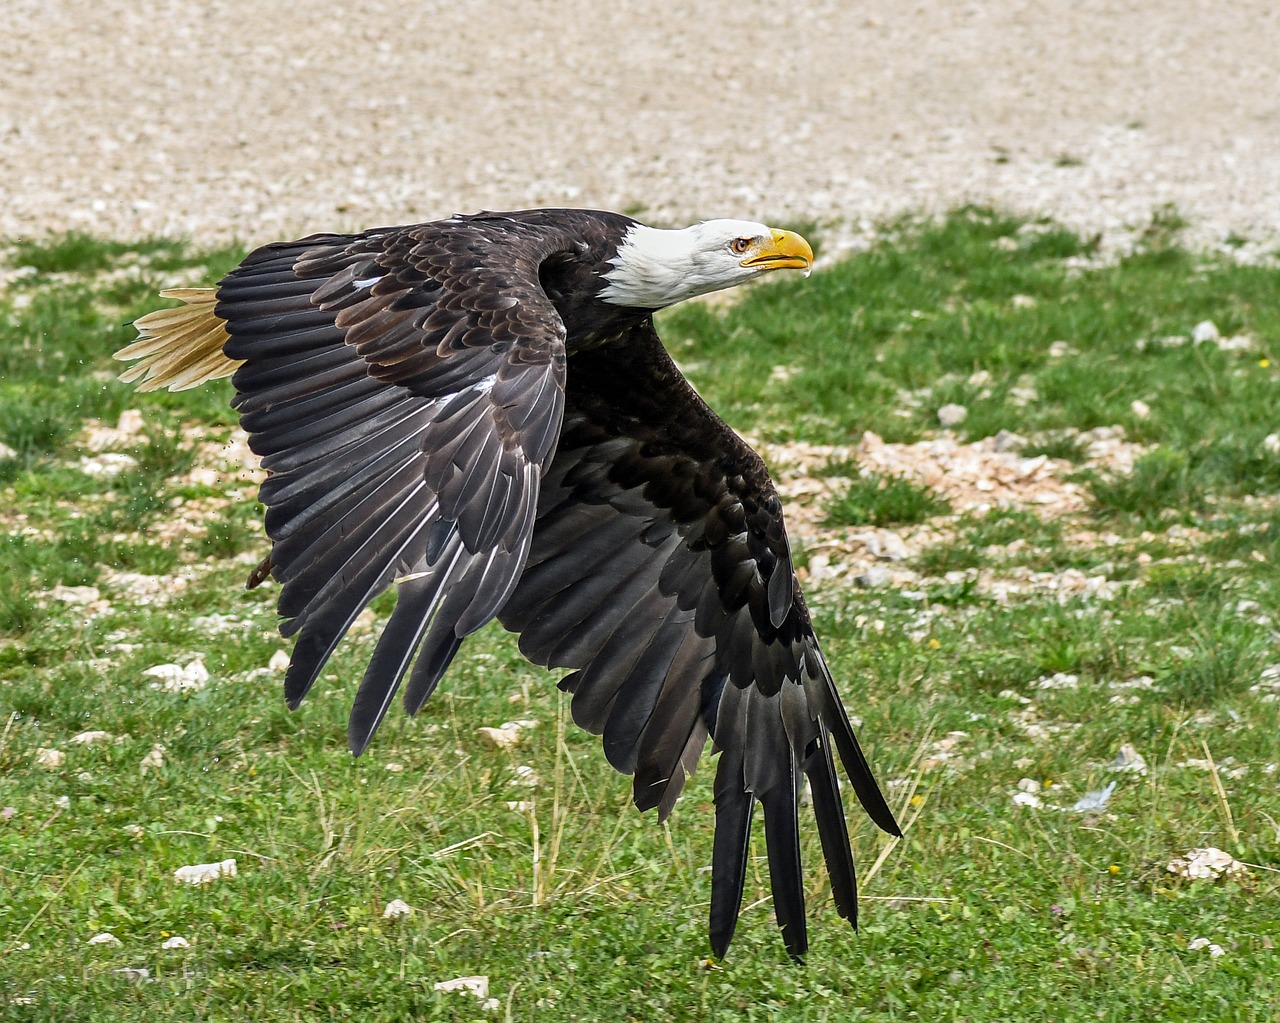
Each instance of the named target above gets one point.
<point>257,119</point>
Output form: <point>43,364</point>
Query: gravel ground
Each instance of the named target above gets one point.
<point>256,119</point>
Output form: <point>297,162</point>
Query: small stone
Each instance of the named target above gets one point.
<point>500,738</point>
<point>871,578</point>
<point>393,767</point>
<point>478,986</point>
<point>76,594</point>
<point>130,422</point>
<point>885,545</point>
<point>1205,864</point>
<point>91,738</point>
<point>106,938</point>
<point>1023,302</point>
<point>50,758</point>
<point>1059,349</point>
<point>177,941</point>
<point>952,415</point>
<point>1140,408</point>
<point>176,679</point>
<point>1271,444</point>
<point>1027,799</point>
<point>525,776</point>
<point>205,873</point>
<point>279,661</point>
<point>1128,761</point>
<point>1204,332</point>
<point>396,909</point>
<point>134,974</point>
<point>154,760</point>
<point>1007,440</point>
<point>107,464</point>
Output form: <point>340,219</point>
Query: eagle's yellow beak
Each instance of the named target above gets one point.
<point>786,250</point>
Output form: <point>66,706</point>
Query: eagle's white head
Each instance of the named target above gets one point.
<point>656,268</point>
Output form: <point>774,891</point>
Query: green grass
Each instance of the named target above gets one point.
<point>579,908</point>
<point>875,499</point>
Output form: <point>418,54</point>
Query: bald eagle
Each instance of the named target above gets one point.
<point>480,411</point>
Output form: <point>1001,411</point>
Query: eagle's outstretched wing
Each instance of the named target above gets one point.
<point>405,389</point>
<point>660,572</point>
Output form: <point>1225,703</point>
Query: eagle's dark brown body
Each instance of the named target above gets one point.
<point>455,408</point>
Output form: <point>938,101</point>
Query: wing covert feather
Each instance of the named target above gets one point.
<point>404,388</point>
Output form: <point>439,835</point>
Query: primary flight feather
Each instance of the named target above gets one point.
<point>480,410</point>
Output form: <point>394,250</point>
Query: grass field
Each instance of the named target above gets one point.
<point>977,676</point>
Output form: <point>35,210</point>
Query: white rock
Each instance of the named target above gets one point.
<point>130,422</point>
<point>1206,863</point>
<point>1007,440</point>
<point>6,451</point>
<point>520,805</point>
<point>177,941</point>
<point>394,768</point>
<point>503,737</point>
<point>1205,331</point>
<point>886,545</point>
<point>871,578</point>
<point>50,758</point>
<point>1028,799</point>
<point>154,760</point>
<point>525,776</point>
<point>205,873</point>
<point>1058,680</point>
<point>134,974</point>
<point>105,938</point>
<point>63,802</point>
<point>1059,349</point>
<point>134,830</point>
<point>1140,408</point>
<point>478,986</point>
<point>279,661</point>
<point>107,464</point>
<point>174,678</point>
<point>396,909</point>
<point>1129,761</point>
<point>1271,444</point>
<point>1028,785</point>
<point>952,415</point>
<point>91,738</point>
<point>75,594</point>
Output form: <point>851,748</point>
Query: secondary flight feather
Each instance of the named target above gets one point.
<point>480,411</point>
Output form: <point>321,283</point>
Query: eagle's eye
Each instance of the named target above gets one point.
<point>740,245</point>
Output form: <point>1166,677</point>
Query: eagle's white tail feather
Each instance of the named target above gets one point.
<point>179,348</point>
